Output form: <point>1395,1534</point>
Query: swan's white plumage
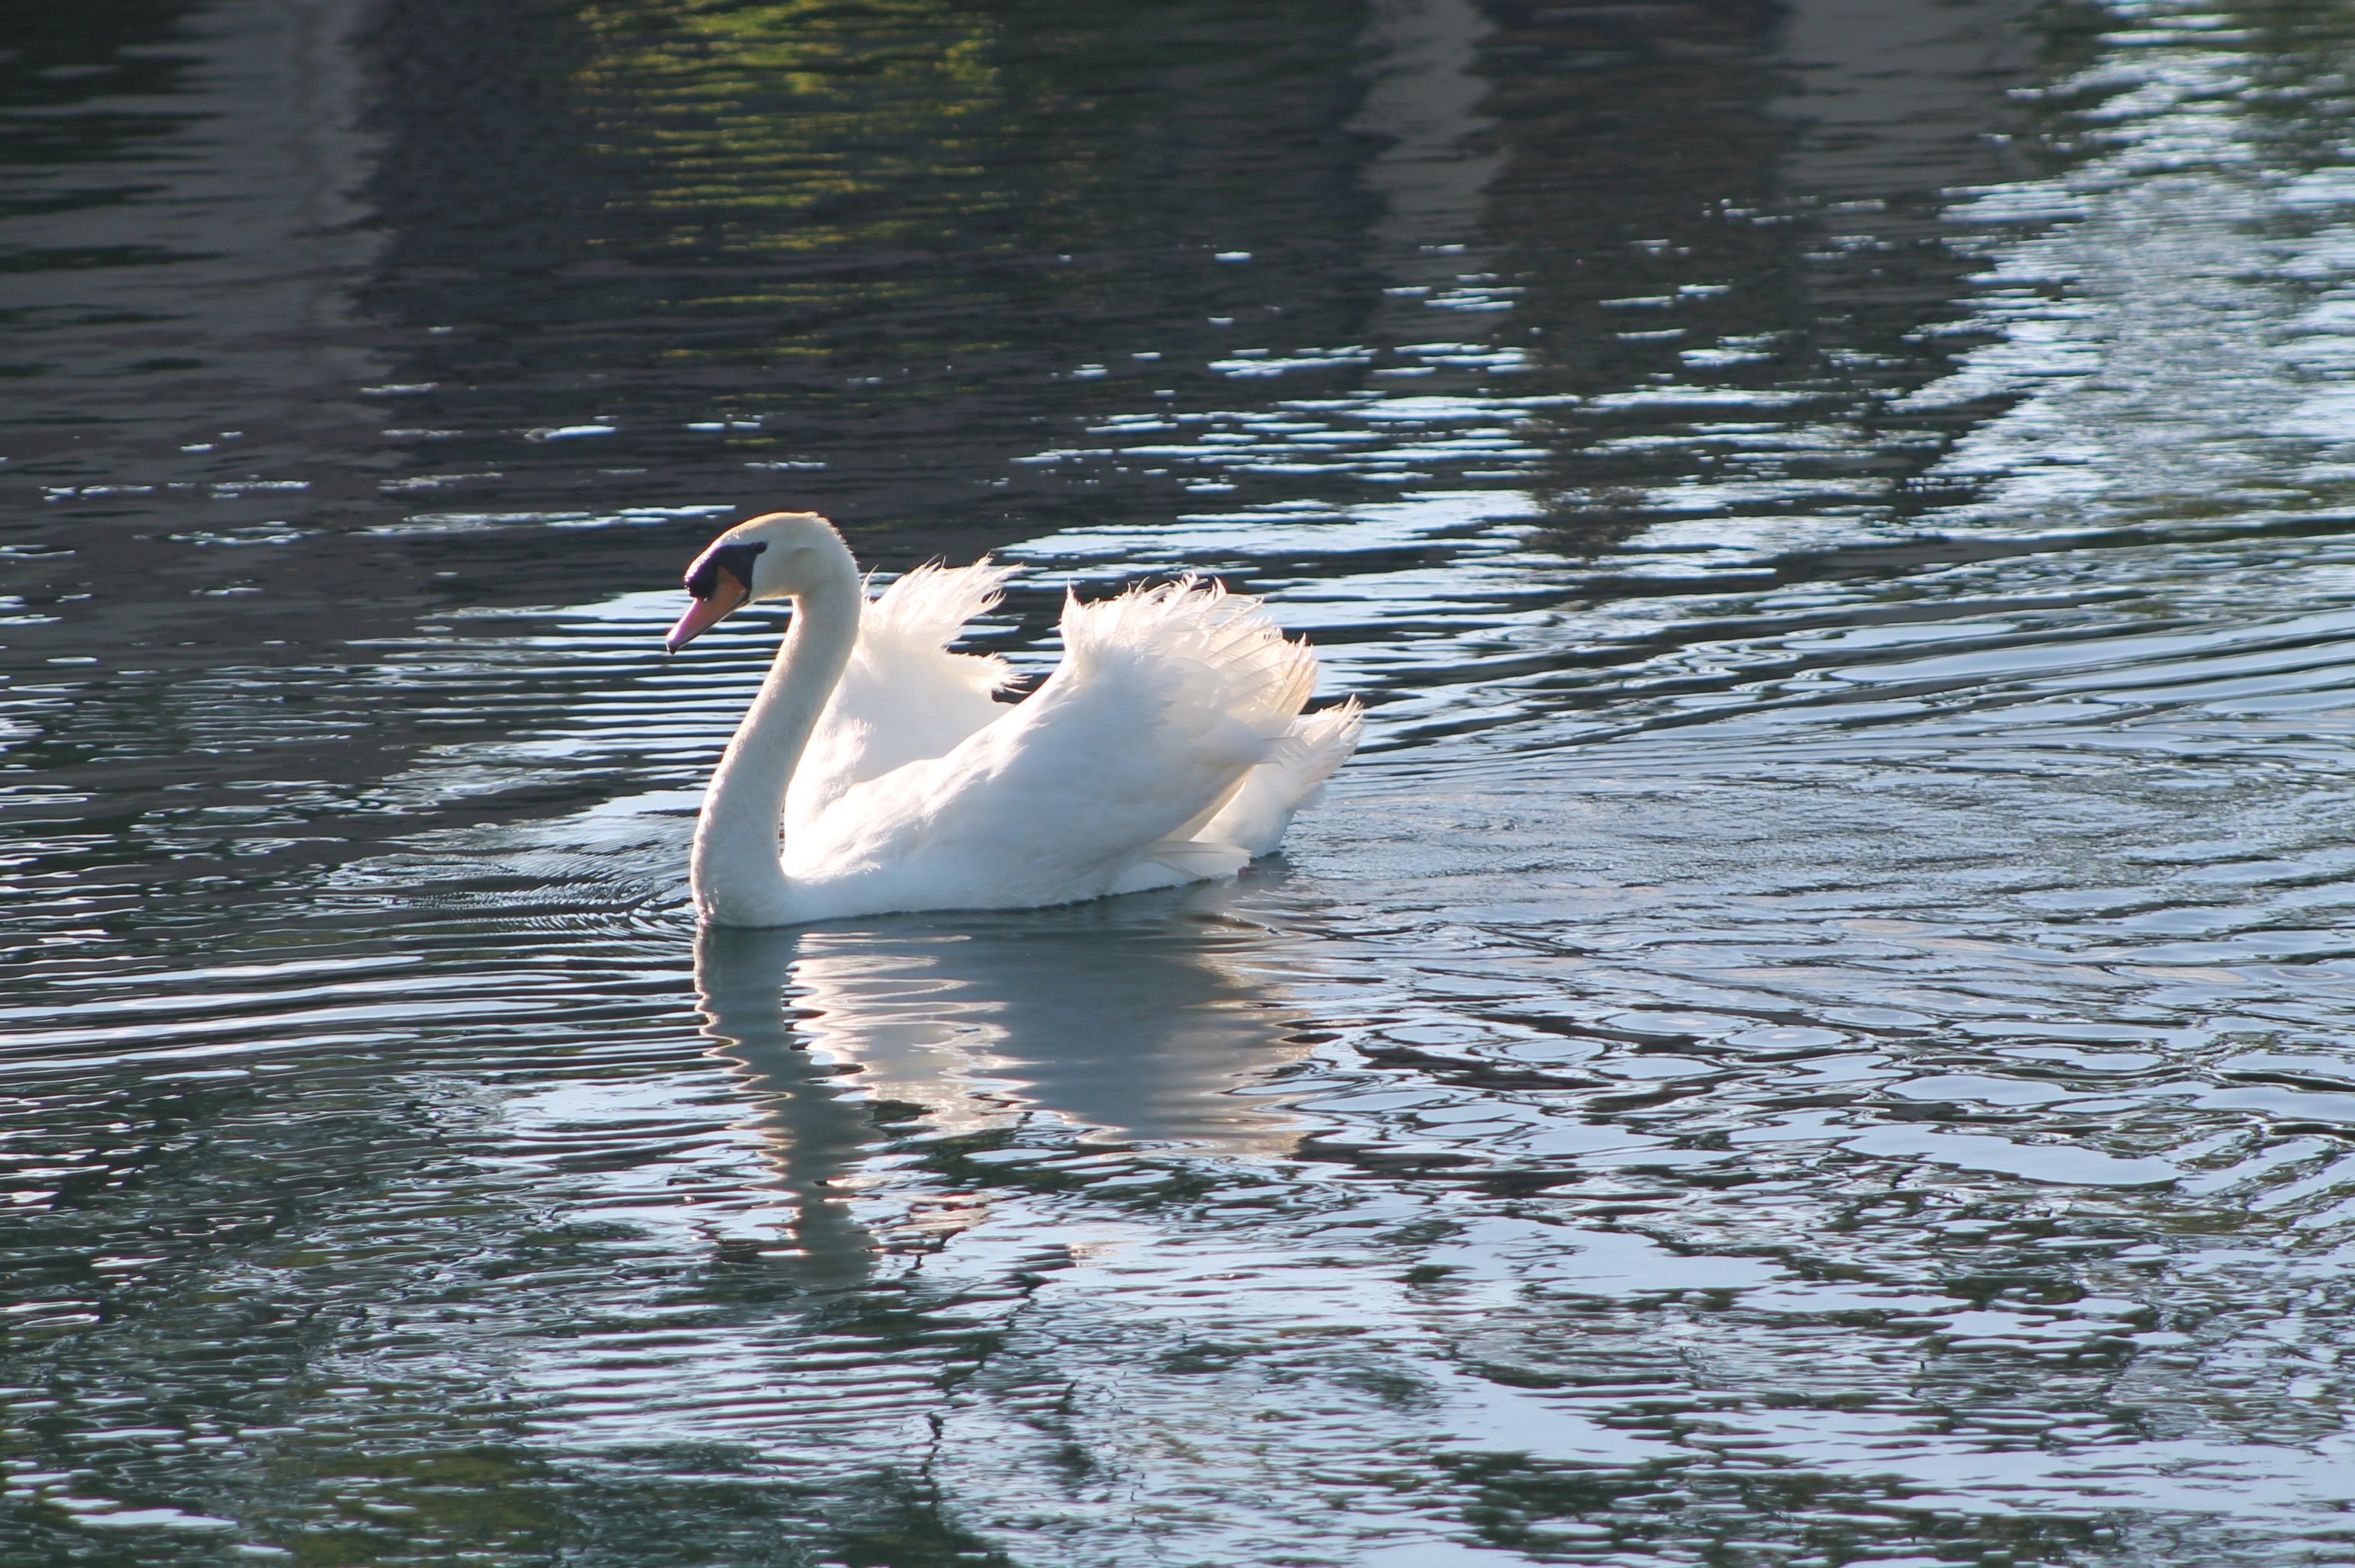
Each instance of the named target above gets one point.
<point>1168,746</point>
<point>904,696</point>
<point>1168,704</point>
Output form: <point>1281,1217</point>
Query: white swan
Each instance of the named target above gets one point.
<point>1168,745</point>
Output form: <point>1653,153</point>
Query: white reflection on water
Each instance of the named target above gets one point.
<point>1099,1033</point>
<point>2166,324</point>
<point>1137,1023</point>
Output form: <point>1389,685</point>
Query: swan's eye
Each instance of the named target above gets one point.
<point>735,559</point>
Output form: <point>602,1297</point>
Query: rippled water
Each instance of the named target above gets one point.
<point>1817,1031</point>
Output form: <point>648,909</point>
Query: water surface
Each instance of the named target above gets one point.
<point>1815,1033</point>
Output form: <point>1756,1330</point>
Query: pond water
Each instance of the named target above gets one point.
<point>1817,1031</point>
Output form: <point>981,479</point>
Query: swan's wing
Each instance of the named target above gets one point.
<point>1166,700</point>
<point>904,696</point>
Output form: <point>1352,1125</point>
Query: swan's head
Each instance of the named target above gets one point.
<point>781,555</point>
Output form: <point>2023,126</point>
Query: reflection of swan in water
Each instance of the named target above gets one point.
<point>816,1131</point>
<point>1138,1017</point>
<point>1127,1018</point>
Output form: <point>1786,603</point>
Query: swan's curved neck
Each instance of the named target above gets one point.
<point>738,877</point>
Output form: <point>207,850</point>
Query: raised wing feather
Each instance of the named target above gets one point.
<point>904,696</point>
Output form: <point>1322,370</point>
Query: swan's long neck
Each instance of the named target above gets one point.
<point>736,871</point>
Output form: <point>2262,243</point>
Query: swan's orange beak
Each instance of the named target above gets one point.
<point>708,611</point>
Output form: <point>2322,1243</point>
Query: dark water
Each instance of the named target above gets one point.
<point>1818,1031</point>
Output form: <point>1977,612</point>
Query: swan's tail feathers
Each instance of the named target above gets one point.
<point>1321,743</point>
<point>1256,814</point>
<point>1194,622</point>
<point>1174,862</point>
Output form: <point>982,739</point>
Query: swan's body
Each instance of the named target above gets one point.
<point>1168,745</point>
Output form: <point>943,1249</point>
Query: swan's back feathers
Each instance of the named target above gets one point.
<point>1193,621</point>
<point>1172,707</point>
